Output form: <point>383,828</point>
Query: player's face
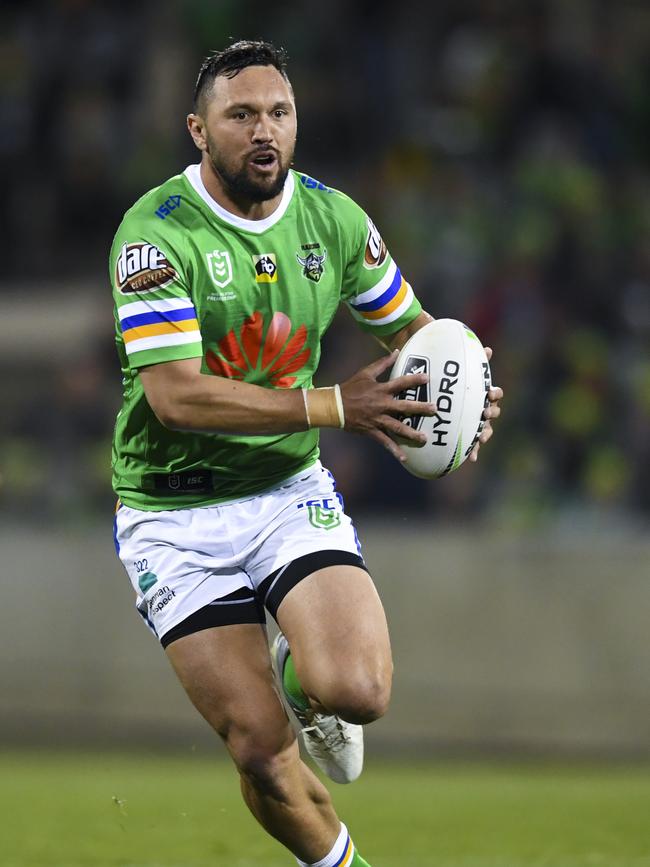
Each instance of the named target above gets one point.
<point>250,132</point>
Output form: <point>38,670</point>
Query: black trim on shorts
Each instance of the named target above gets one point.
<point>240,606</point>
<point>275,587</point>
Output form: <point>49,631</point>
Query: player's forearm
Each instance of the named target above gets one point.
<point>184,399</point>
<point>397,340</point>
<point>216,405</point>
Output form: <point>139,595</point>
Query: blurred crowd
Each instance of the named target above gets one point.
<point>503,149</point>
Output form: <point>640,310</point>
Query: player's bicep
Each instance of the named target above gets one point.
<point>379,297</point>
<point>155,315</point>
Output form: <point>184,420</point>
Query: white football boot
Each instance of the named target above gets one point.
<point>334,744</point>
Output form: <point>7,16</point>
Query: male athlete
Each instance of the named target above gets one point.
<point>225,279</point>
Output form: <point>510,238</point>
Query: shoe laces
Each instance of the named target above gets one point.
<point>336,739</point>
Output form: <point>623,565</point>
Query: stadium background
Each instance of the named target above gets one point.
<point>503,149</point>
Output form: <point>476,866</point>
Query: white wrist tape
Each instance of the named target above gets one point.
<point>304,397</point>
<point>339,405</point>
<point>324,407</point>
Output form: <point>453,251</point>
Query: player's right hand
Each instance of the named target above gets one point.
<point>371,407</point>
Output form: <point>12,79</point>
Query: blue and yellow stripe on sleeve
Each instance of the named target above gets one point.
<point>158,324</point>
<point>386,301</point>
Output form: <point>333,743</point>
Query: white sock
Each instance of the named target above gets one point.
<point>340,855</point>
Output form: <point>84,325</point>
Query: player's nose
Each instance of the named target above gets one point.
<point>262,131</point>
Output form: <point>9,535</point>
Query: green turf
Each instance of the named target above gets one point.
<point>104,810</point>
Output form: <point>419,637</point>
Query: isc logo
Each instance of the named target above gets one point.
<point>313,184</point>
<point>168,206</point>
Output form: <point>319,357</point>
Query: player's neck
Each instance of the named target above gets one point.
<point>239,207</point>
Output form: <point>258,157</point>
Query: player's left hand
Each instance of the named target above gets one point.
<point>492,411</point>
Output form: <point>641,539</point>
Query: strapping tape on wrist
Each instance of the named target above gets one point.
<point>324,407</point>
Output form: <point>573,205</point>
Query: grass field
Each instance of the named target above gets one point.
<point>105,810</point>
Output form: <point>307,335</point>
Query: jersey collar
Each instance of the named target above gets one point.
<point>193,175</point>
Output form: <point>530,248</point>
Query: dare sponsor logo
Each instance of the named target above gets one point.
<point>142,267</point>
<point>376,251</point>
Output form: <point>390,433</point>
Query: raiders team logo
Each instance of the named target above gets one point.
<point>375,255</point>
<point>142,267</point>
<point>313,263</point>
<point>266,268</point>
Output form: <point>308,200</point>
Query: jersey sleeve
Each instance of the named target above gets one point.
<point>378,296</point>
<point>155,316</point>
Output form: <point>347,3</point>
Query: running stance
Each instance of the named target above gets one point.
<point>225,279</point>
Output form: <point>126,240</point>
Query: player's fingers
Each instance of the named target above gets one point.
<point>382,364</point>
<point>411,407</point>
<point>492,411</point>
<point>403,383</point>
<point>388,444</point>
<point>495,393</point>
<point>486,433</point>
<point>488,352</point>
<point>397,428</point>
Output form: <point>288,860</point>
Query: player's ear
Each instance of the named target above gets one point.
<point>196,129</point>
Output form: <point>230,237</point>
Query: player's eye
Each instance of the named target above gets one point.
<point>279,112</point>
<point>241,115</point>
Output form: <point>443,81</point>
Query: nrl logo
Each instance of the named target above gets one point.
<point>220,267</point>
<point>312,264</point>
<point>323,519</point>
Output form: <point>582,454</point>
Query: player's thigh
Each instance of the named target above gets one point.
<point>336,627</point>
<point>226,672</point>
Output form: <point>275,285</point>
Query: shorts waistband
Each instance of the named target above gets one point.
<point>203,481</point>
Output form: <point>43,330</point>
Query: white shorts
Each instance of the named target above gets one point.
<point>216,565</point>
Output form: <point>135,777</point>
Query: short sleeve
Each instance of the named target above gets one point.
<point>378,296</point>
<point>154,312</point>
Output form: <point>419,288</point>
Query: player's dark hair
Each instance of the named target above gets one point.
<point>233,59</point>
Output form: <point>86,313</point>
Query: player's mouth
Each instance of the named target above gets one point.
<point>264,162</point>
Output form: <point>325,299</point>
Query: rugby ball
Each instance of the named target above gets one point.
<point>459,379</point>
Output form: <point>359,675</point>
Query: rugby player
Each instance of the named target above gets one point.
<point>225,279</point>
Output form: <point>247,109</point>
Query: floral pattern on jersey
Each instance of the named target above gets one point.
<point>261,354</point>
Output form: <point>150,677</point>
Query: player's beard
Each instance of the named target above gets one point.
<point>241,185</point>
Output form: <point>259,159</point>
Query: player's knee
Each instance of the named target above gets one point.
<point>362,697</point>
<point>265,764</point>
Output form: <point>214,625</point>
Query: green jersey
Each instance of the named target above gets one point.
<point>252,299</point>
